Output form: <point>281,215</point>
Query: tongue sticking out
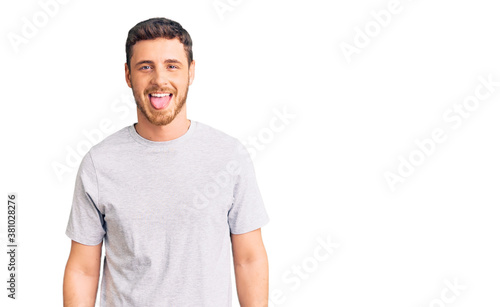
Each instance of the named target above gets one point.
<point>160,102</point>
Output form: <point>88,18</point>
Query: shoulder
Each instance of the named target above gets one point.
<point>216,137</point>
<point>111,143</point>
<point>221,144</point>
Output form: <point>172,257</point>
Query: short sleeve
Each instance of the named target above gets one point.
<point>86,223</point>
<point>247,211</point>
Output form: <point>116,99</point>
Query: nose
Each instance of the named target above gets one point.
<point>159,78</point>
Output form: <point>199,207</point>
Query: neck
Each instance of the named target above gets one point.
<point>173,130</point>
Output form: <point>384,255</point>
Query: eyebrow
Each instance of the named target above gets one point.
<point>167,61</point>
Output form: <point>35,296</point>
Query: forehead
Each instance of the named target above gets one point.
<point>158,49</point>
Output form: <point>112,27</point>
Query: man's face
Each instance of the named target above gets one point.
<point>159,77</point>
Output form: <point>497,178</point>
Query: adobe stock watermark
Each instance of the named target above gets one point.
<point>454,116</point>
<point>294,277</point>
<point>364,35</point>
<point>449,294</point>
<point>123,106</point>
<point>253,144</point>
<point>278,123</point>
<point>31,26</point>
<point>222,7</point>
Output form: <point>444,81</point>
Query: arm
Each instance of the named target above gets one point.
<point>251,269</point>
<point>81,277</point>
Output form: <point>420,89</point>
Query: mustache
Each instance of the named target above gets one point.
<point>160,90</point>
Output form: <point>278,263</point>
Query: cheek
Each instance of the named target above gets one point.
<point>139,84</point>
<point>181,84</point>
<point>180,80</point>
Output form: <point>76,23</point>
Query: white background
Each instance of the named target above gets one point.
<point>322,176</point>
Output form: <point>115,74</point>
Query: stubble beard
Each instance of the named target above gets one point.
<point>160,117</point>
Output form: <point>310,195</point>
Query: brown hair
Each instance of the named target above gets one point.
<point>158,28</point>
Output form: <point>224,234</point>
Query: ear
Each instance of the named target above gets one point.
<point>191,73</point>
<point>127,76</point>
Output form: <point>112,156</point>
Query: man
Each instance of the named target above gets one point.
<point>168,195</point>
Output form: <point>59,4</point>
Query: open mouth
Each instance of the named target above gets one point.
<point>160,101</point>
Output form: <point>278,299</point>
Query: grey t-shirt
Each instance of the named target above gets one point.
<point>166,211</point>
